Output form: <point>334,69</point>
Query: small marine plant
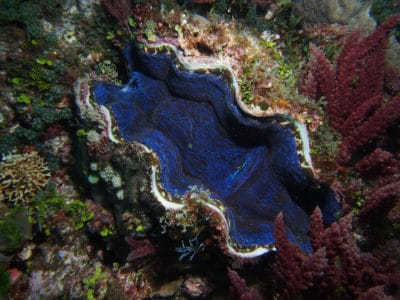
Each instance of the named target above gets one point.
<point>79,212</point>
<point>44,205</point>
<point>49,202</point>
<point>90,282</point>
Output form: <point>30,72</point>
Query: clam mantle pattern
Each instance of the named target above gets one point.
<point>202,139</point>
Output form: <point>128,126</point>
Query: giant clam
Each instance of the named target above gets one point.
<point>201,139</point>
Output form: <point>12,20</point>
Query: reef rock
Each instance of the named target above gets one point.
<point>352,13</point>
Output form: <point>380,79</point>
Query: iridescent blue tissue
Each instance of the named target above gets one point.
<point>203,139</point>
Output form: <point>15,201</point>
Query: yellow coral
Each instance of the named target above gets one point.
<point>22,176</point>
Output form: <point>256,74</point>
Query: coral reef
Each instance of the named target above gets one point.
<point>106,225</point>
<point>22,176</point>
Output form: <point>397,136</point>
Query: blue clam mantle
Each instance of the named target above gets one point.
<point>202,139</point>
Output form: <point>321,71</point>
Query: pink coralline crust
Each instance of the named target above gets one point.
<point>14,274</point>
<point>140,248</point>
<point>102,218</point>
<point>354,89</point>
<point>130,285</point>
<point>102,149</point>
<point>337,268</point>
